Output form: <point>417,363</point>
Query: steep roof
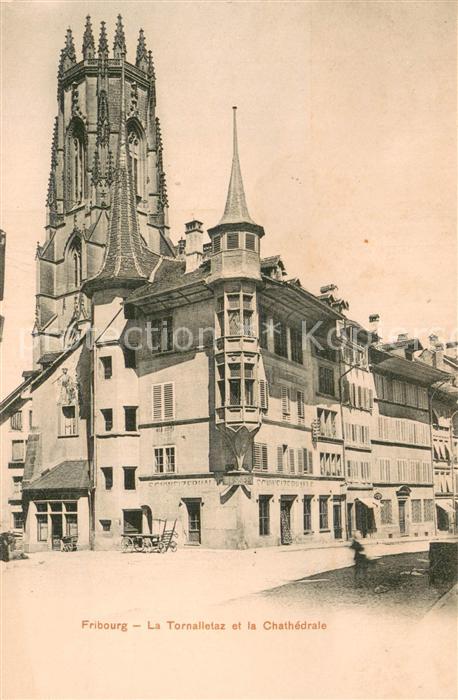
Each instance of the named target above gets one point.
<point>170,275</point>
<point>71,474</point>
<point>236,210</point>
<point>127,260</point>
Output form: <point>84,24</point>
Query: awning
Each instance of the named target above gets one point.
<point>447,507</point>
<point>368,502</point>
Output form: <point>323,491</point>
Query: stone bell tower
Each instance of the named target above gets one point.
<point>80,190</point>
<point>235,277</point>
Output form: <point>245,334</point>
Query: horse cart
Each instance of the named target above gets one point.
<point>158,542</point>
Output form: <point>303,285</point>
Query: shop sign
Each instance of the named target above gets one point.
<point>241,479</point>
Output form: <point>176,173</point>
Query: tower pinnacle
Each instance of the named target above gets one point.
<point>119,45</point>
<point>88,40</point>
<point>103,42</point>
<point>68,55</point>
<point>141,60</point>
<point>236,210</point>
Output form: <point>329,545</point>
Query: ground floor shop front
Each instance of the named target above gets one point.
<point>51,519</point>
<point>244,510</point>
<point>236,511</point>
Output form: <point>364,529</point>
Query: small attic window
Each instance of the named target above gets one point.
<point>232,241</point>
<point>250,241</point>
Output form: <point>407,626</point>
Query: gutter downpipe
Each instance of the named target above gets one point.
<point>431,397</point>
<point>342,427</point>
<point>452,469</point>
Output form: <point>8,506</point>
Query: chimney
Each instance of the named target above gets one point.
<point>374,321</point>
<point>438,357</point>
<point>452,346</point>
<point>181,248</point>
<point>194,245</point>
<point>328,288</point>
<point>433,340</point>
<point>402,337</point>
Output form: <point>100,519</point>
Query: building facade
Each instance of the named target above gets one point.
<point>195,382</point>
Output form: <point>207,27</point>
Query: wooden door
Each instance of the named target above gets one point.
<point>402,517</point>
<point>194,523</point>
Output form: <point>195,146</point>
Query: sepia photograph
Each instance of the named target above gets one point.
<point>229,349</point>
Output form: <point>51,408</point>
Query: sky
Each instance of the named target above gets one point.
<point>347,139</point>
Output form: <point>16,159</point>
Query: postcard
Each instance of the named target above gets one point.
<point>229,397</point>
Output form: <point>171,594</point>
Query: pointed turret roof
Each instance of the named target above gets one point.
<point>236,210</point>
<point>119,44</point>
<point>127,262</point>
<point>88,40</point>
<point>103,41</point>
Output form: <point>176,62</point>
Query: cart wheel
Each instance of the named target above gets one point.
<point>126,544</point>
<point>173,546</point>
<point>148,545</point>
<point>161,548</point>
<point>139,545</point>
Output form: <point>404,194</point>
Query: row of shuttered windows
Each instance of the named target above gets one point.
<point>422,511</point>
<point>293,460</point>
<point>400,392</point>
<point>323,514</point>
<point>403,471</point>
<point>404,431</point>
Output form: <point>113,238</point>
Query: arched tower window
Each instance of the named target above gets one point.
<point>76,268</point>
<point>137,152</point>
<point>78,170</point>
<point>76,164</point>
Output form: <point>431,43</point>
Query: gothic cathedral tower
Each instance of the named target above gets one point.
<point>80,197</point>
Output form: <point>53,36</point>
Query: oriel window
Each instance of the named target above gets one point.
<point>235,397</point>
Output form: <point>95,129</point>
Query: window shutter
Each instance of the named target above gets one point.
<point>300,405</point>
<point>292,465</point>
<point>157,401</point>
<point>300,460</point>
<point>169,411</point>
<point>280,458</point>
<point>371,399</point>
<point>353,394</point>
<point>310,462</point>
<point>345,391</point>
<point>285,400</point>
<point>263,394</point>
<point>257,455</point>
<point>265,459</point>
